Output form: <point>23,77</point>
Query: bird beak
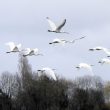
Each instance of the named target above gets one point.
<point>77,67</point>
<point>39,70</point>
<point>49,31</point>
<point>99,62</point>
<point>50,43</point>
<point>91,49</point>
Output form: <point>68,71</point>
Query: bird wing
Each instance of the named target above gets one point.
<point>52,24</point>
<point>35,51</point>
<point>61,25</point>
<point>84,65</point>
<point>106,50</point>
<point>63,41</point>
<point>11,45</point>
<point>78,39</point>
<point>53,75</point>
<point>88,66</point>
<point>27,51</point>
<point>99,48</point>
<point>106,60</point>
<point>50,73</point>
<point>19,46</point>
<point>31,52</point>
<point>56,40</point>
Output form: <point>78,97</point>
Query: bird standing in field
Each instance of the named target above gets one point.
<point>54,28</point>
<point>13,47</point>
<point>104,61</point>
<point>48,72</point>
<point>31,52</point>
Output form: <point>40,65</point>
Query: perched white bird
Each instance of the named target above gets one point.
<point>48,72</point>
<point>31,52</point>
<point>54,28</point>
<point>13,47</point>
<point>96,48</point>
<point>85,66</point>
<point>63,41</point>
<point>104,61</point>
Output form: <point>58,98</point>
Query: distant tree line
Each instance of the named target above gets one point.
<point>26,90</point>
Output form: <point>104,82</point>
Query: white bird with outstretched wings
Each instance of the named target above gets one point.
<point>48,72</point>
<point>13,47</point>
<point>55,28</point>
<point>31,52</point>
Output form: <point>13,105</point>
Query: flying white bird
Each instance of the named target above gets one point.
<point>73,41</point>
<point>96,48</point>
<point>13,47</point>
<point>106,50</point>
<point>63,41</point>
<point>48,72</point>
<point>54,28</point>
<point>31,52</point>
<point>58,41</point>
<point>85,66</point>
<point>104,61</point>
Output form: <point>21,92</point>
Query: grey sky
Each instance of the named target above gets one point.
<point>24,21</point>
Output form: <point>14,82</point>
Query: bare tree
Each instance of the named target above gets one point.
<point>89,82</point>
<point>87,93</point>
<point>8,84</point>
<point>107,91</point>
<point>24,75</point>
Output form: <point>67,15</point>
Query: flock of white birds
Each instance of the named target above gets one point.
<point>56,29</point>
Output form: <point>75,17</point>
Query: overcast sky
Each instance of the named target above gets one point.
<point>24,21</point>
